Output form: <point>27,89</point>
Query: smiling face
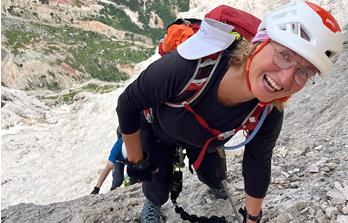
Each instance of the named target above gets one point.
<point>277,72</point>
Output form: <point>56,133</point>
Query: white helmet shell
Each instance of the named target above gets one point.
<point>308,30</point>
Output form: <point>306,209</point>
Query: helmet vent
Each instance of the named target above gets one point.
<point>304,35</point>
<point>296,29</point>
<point>328,53</point>
<point>333,56</point>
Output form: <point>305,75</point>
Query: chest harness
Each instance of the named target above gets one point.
<point>204,71</point>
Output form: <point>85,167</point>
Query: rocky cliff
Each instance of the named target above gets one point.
<point>53,45</point>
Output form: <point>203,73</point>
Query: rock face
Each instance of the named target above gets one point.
<point>8,68</point>
<point>33,67</point>
<point>19,108</point>
<point>38,63</point>
<point>50,11</point>
<point>112,207</point>
<point>37,53</point>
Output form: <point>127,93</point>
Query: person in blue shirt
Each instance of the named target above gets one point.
<point>115,165</point>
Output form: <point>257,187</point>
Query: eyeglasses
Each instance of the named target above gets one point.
<point>285,59</point>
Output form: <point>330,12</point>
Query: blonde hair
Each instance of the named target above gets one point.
<point>238,58</point>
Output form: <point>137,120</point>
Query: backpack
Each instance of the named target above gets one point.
<point>180,30</point>
<point>245,26</point>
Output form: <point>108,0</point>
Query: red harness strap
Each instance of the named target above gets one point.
<point>253,118</point>
<point>201,121</point>
<point>205,125</point>
<point>248,124</point>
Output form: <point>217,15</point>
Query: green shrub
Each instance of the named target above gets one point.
<point>118,19</point>
<point>92,87</point>
<point>17,39</point>
<point>68,98</point>
<point>88,52</point>
<point>78,3</point>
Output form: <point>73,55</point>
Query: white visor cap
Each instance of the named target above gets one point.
<point>212,37</point>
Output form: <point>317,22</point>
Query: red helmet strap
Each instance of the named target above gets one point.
<point>247,66</point>
<point>248,62</point>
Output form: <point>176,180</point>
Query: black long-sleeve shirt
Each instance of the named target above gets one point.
<point>163,80</point>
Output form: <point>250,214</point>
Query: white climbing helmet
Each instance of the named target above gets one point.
<point>307,29</point>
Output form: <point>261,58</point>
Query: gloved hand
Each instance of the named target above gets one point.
<point>95,190</point>
<point>143,170</point>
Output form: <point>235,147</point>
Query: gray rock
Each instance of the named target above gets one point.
<point>283,151</point>
<point>239,185</point>
<point>338,186</point>
<point>342,219</point>
<point>331,166</point>
<point>345,210</point>
<point>323,161</point>
<point>300,174</point>
<point>338,201</point>
<point>320,216</point>
<point>336,197</point>
<point>111,207</point>
<point>306,209</point>
<point>285,174</point>
<point>295,170</point>
<point>318,148</point>
<point>313,168</point>
<point>278,180</point>
<point>345,192</point>
<point>330,211</point>
<point>294,185</point>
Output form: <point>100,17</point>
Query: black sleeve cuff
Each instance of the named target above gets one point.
<point>257,176</point>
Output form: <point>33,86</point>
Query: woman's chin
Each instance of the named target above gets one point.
<point>264,94</point>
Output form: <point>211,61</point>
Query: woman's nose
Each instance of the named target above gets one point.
<point>287,77</point>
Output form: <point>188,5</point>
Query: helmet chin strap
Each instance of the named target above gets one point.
<point>247,66</point>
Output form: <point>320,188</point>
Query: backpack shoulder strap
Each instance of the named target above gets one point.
<point>195,86</point>
<point>205,69</point>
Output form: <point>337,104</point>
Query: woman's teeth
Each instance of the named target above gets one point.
<point>270,83</point>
